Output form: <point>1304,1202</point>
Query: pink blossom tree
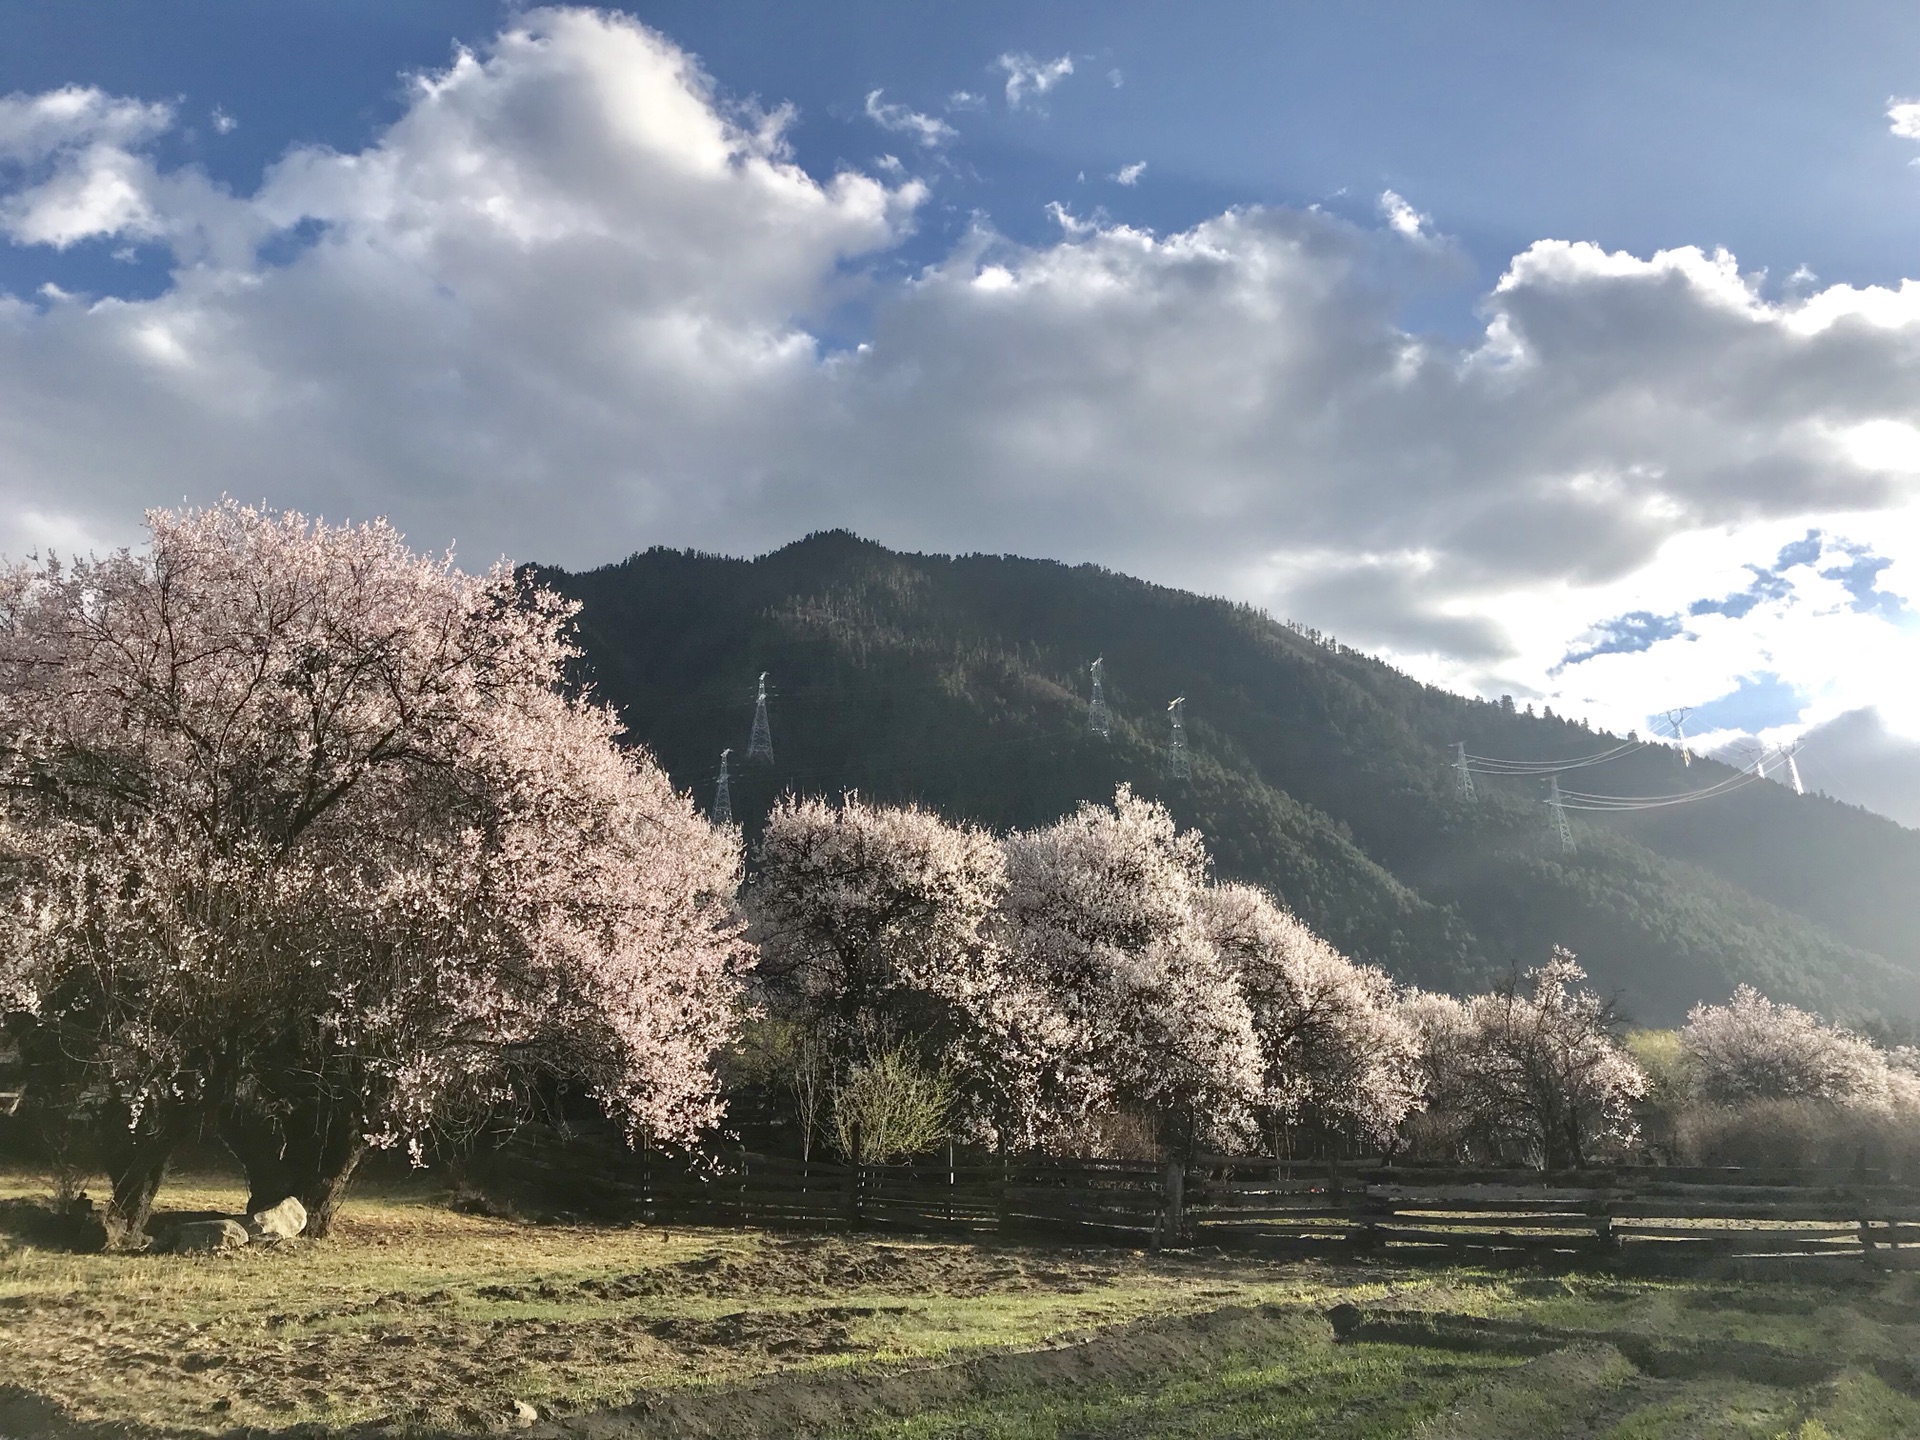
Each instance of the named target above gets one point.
<point>1335,1048</point>
<point>304,833</point>
<point>1119,995</point>
<point>870,919</point>
<point>857,904</point>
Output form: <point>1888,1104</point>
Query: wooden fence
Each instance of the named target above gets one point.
<point>1653,1217</point>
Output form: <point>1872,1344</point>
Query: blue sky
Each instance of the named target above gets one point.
<point>1637,126</point>
<point>1560,351</point>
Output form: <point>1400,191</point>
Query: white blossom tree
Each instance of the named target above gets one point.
<point>1335,1047</point>
<point>1118,993</point>
<point>303,832</point>
<point>1752,1049</point>
<point>1536,1072</point>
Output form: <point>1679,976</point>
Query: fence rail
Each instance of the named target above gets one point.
<point>1652,1216</point>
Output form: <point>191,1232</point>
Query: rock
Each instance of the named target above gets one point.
<point>524,1414</point>
<point>278,1222</point>
<point>198,1236</point>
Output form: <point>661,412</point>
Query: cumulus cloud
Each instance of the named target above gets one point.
<point>926,130</point>
<point>1130,174</point>
<point>575,302</point>
<point>1903,118</point>
<point>76,176</point>
<point>1029,79</point>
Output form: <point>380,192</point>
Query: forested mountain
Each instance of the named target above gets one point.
<point>1317,771</point>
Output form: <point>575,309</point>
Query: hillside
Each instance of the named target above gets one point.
<point>1318,772</point>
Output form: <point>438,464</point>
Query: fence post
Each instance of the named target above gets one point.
<point>647,1216</point>
<point>1173,1185</point>
<point>856,1165</point>
<point>1003,1220</point>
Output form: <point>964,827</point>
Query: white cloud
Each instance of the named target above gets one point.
<point>1903,118</point>
<point>1029,79</point>
<point>571,304</point>
<point>223,123</point>
<point>1402,216</point>
<point>926,130</point>
<point>1129,174</point>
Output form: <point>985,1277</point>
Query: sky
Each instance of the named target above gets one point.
<point>1571,353</point>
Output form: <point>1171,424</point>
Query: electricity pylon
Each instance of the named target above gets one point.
<point>1678,720</point>
<point>723,794</point>
<point>1461,773</point>
<point>1178,764</point>
<point>760,747</point>
<point>1560,816</point>
<point>1097,719</point>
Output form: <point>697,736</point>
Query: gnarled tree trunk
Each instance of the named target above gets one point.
<point>137,1153</point>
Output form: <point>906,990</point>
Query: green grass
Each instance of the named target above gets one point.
<point>417,1314</point>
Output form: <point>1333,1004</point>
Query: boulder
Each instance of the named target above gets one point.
<point>278,1222</point>
<point>198,1236</point>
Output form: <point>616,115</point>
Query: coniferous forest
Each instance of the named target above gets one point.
<point>1318,771</point>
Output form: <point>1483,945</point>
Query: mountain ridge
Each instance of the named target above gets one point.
<point>1318,771</point>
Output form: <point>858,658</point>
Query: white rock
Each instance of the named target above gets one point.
<point>278,1222</point>
<point>524,1414</point>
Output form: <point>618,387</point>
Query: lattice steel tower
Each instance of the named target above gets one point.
<point>1461,773</point>
<point>1097,718</point>
<point>1678,719</point>
<point>723,794</point>
<point>1559,809</point>
<point>760,747</point>
<point>1179,766</point>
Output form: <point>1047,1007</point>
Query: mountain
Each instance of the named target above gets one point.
<point>1317,771</point>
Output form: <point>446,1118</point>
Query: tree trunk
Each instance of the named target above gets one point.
<point>326,1190</point>
<point>259,1144</point>
<point>136,1159</point>
<point>310,1151</point>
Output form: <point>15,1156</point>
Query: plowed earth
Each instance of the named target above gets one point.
<point>419,1320</point>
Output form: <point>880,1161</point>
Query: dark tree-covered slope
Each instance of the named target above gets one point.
<point>1318,772</point>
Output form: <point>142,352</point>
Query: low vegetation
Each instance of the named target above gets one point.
<point>417,1318</point>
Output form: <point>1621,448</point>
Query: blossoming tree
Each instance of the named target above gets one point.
<point>304,835</point>
<point>1533,1072</point>
<point>1334,1046</point>
<point>1752,1049</point>
<point>1103,924</point>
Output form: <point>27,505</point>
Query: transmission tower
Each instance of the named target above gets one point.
<point>1097,720</point>
<point>1461,772</point>
<point>1678,720</point>
<point>723,794</point>
<point>1179,766</point>
<point>1560,816</point>
<point>760,747</point>
<point>1787,752</point>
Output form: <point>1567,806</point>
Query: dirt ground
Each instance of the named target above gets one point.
<point>420,1320</point>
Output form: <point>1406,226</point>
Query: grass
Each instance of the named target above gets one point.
<point>427,1319</point>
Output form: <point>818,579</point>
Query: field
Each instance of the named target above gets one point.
<point>418,1319</point>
